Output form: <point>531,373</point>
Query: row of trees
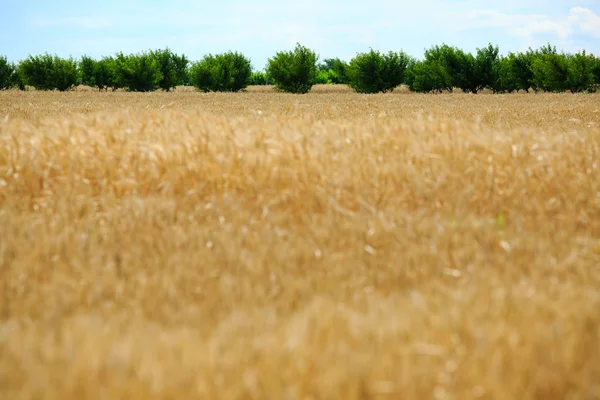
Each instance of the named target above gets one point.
<point>136,72</point>
<point>544,69</point>
<point>443,68</point>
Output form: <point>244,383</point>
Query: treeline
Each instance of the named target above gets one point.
<point>443,68</point>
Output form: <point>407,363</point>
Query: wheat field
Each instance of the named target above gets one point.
<point>325,246</point>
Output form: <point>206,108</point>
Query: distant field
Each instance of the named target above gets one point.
<point>323,246</point>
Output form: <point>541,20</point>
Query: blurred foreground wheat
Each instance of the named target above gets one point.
<point>274,248</point>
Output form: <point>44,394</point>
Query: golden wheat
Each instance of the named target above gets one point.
<point>328,246</point>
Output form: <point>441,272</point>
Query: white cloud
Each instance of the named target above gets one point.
<point>587,21</point>
<point>532,29</point>
<point>561,28</point>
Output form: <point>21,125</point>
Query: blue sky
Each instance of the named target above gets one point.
<point>260,28</point>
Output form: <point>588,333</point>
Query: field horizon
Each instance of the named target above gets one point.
<point>262,245</point>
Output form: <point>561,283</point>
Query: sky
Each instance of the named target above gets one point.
<point>260,28</point>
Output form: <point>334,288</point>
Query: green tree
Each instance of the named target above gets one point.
<point>172,67</point>
<point>514,72</point>
<point>505,79</point>
<point>293,71</point>
<point>17,79</point>
<point>521,69</point>
<point>546,67</point>
<point>7,74</point>
<point>269,78</point>
<point>374,72</point>
<point>411,74</point>
<point>257,78</point>
<point>48,72</point>
<point>182,64</point>
<point>456,67</point>
<point>103,74</point>
<point>547,49</point>
<point>322,78</point>
<point>466,75</point>
<point>596,70</point>
<point>332,70</point>
<point>550,72</point>
<point>580,72</point>
<point>337,70</point>
<point>431,74</point>
<point>487,67</point>
<point>228,72</point>
<point>426,77</point>
<point>137,72</point>
<point>86,70</point>
<point>325,65</point>
<point>65,73</point>
<point>37,71</point>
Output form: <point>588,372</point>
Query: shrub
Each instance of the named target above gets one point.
<point>137,72</point>
<point>373,72</point>
<point>7,74</point>
<point>257,78</point>
<point>48,72</point>
<point>228,72</point>
<point>172,67</point>
<point>293,71</point>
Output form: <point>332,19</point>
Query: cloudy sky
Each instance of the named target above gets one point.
<point>259,28</point>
